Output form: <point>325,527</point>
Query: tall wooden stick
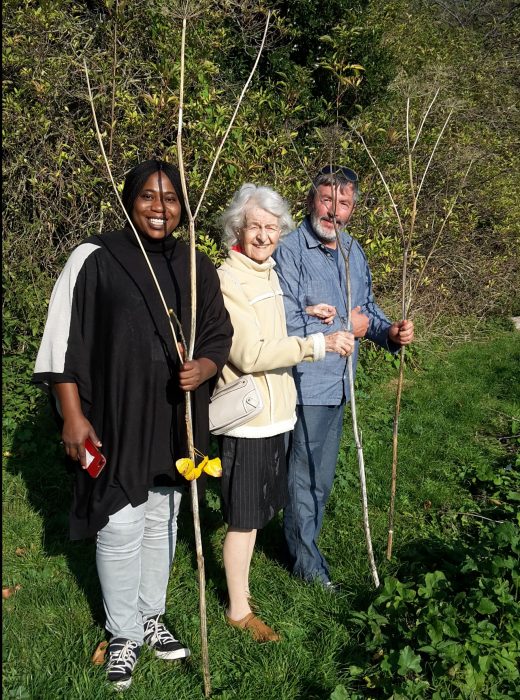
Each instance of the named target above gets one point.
<point>406,290</point>
<point>350,370</point>
<point>353,410</point>
<point>188,347</point>
<point>189,420</point>
<point>114,71</point>
<point>189,423</point>
<point>407,239</point>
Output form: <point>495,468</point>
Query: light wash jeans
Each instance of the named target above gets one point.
<point>134,554</point>
<point>311,466</point>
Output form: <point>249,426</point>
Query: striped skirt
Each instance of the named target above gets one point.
<point>254,479</point>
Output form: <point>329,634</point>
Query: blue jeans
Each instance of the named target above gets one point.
<point>134,554</point>
<point>311,464</point>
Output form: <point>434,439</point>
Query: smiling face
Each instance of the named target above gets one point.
<point>332,209</point>
<point>157,209</point>
<point>260,234</point>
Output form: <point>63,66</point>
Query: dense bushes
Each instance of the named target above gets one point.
<point>322,71</point>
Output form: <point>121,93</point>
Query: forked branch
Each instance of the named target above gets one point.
<point>188,348</point>
<point>169,312</point>
<point>407,289</point>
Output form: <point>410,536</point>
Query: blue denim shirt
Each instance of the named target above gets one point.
<point>310,273</point>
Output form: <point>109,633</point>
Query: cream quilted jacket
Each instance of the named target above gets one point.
<point>261,347</point>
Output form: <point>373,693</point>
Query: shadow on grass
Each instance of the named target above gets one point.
<point>39,459</point>
<point>210,521</point>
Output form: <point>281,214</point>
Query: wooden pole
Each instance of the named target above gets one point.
<point>407,236</point>
<point>187,347</point>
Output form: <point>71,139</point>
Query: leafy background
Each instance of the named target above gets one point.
<point>326,68</point>
<point>445,623</point>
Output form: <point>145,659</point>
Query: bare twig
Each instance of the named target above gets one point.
<point>425,116</point>
<point>378,169</point>
<point>482,517</point>
<point>193,286</point>
<point>407,242</point>
<point>357,435</point>
<point>407,292</point>
<point>127,215</point>
<point>189,349</point>
<point>224,138</point>
<point>439,234</point>
<point>114,71</point>
<point>433,153</point>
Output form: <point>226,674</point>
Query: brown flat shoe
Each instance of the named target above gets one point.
<point>258,629</point>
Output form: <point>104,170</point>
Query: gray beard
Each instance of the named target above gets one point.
<point>323,235</point>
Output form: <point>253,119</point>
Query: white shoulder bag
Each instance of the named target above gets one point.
<point>234,404</point>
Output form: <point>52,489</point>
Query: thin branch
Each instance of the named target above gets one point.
<point>114,70</point>
<point>356,432</point>
<point>439,234</point>
<point>352,394</point>
<point>483,517</point>
<point>244,90</point>
<point>407,242</point>
<point>433,153</point>
<point>408,124</point>
<point>424,119</point>
<point>191,218</point>
<point>190,349</point>
<point>382,177</point>
<point>127,215</point>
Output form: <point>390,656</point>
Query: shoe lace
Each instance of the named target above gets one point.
<point>123,659</point>
<point>158,630</point>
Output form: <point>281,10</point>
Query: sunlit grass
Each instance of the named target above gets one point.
<point>453,410</point>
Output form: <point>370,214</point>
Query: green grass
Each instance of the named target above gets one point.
<point>456,462</point>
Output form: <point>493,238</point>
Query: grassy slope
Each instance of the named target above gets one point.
<point>453,410</point>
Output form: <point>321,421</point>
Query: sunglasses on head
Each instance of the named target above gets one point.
<point>335,169</point>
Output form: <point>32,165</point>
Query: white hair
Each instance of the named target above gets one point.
<point>233,218</point>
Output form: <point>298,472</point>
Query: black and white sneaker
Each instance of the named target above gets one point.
<point>162,641</point>
<point>122,657</point>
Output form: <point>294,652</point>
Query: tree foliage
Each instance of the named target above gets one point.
<point>326,68</point>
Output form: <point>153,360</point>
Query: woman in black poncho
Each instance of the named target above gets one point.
<point>107,355</point>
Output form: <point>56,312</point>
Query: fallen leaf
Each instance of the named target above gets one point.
<point>98,657</point>
<point>20,551</point>
<point>9,591</point>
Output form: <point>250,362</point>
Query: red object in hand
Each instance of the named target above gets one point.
<point>95,460</point>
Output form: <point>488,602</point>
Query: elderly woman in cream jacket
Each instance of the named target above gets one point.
<point>254,481</point>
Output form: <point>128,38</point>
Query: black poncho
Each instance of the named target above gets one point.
<point>107,331</point>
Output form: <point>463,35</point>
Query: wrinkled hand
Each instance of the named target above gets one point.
<point>401,332</point>
<point>359,322</point>
<point>75,431</point>
<point>325,312</point>
<point>341,342</point>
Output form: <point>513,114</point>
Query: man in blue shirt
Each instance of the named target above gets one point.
<point>311,269</point>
